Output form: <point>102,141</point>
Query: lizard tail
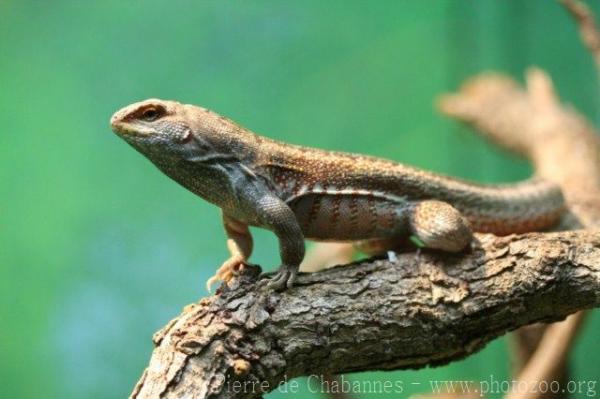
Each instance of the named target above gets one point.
<point>531,205</point>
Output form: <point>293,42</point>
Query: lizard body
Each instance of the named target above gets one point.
<point>301,192</point>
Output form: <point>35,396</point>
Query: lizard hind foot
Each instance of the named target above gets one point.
<point>438,225</point>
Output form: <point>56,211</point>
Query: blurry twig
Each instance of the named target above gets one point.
<point>587,26</point>
<point>327,254</point>
<point>549,361</point>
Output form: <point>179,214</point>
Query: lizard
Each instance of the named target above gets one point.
<point>303,193</point>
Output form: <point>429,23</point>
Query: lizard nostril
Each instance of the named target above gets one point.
<point>115,120</point>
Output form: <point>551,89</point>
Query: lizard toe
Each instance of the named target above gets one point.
<point>279,281</point>
<point>211,281</point>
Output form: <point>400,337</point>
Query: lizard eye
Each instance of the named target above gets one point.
<point>151,114</point>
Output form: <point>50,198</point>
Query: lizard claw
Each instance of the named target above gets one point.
<point>211,281</point>
<point>230,268</point>
<point>283,279</point>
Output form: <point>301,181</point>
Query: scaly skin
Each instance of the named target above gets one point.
<point>300,192</point>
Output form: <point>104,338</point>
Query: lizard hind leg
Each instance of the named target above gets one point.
<point>438,225</point>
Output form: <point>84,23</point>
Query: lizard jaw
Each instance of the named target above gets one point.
<point>123,128</point>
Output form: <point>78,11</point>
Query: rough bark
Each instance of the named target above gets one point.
<point>374,315</point>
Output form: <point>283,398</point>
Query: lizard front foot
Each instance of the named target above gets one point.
<point>228,270</point>
<point>284,278</point>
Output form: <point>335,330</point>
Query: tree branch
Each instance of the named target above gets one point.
<point>373,315</point>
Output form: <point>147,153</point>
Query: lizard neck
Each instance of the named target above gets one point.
<point>201,180</point>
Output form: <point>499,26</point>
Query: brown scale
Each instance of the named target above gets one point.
<point>335,213</point>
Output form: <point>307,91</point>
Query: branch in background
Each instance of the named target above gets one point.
<point>495,105</point>
<point>587,26</point>
<point>327,254</point>
<point>542,355</point>
<point>561,144</point>
<point>549,361</point>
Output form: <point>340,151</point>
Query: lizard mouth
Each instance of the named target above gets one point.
<point>124,128</point>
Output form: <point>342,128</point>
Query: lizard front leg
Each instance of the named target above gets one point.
<point>277,216</point>
<point>239,243</point>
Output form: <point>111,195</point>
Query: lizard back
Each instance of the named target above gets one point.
<point>344,182</point>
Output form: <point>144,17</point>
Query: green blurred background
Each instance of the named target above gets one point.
<point>98,249</point>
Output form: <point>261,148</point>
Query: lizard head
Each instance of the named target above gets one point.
<point>156,128</point>
<point>167,131</point>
